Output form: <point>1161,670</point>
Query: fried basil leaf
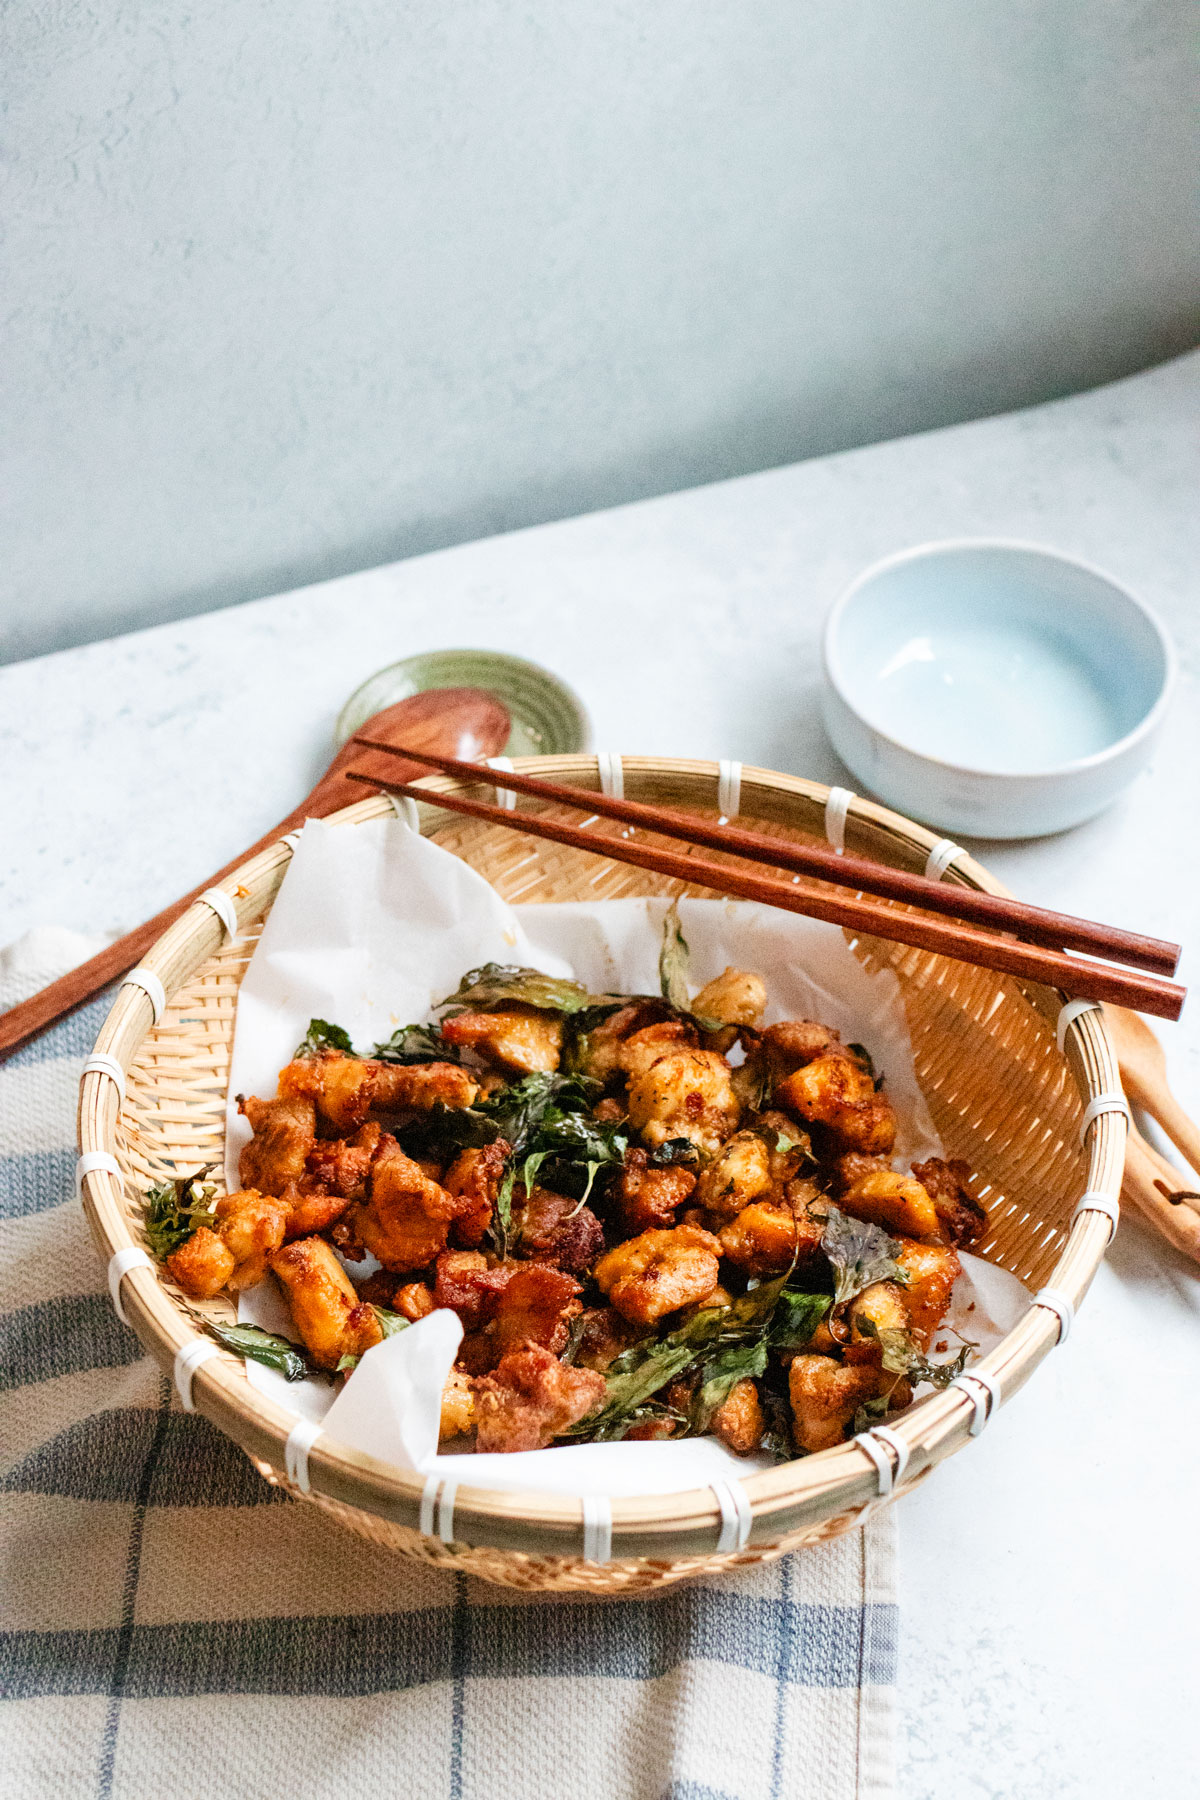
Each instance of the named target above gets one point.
<point>860,1253</point>
<point>175,1209</point>
<point>673,959</point>
<point>279,1353</point>
<point>721,1374</point>
<point>321,1035</point>
<point>416,1044</point>
<point>796,1317</point>
<point>675,1150</point>
<point>390,1323</point>
<point>495,983</point>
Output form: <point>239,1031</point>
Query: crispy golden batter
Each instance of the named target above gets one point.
<point>853,1165</point>
<point>825,1396</point>
<point>277,1154</point>
<point>603,1336</point>
<point>536,1307</point>
<point>513,1037</point>
<point>962,1218</point>
<point>413,1300</point>
<point>794,1042</point>
<point>342,1166</point>
<point>769,1235</point>
<point>932,1270</point>
<point>879,1308</point>
<point>329,1315</point>
<point>418,1087</point>
<point>739,1173</point>
<point>739,1421</point>
<point>407,1220</point>
<point>202,1265</point>
<point>642,1049</point>
<point>474,1178</point>
<point>736,998</point>
<point>458,1406</point>
<point>684,1094</point>
<point>658,1272</point>
<point>531,1399</point>
<point>600,1053</point>
<point>342,1088</point>
<point>649,1198</point>
<point>838,1093</point>
<point>555,1230</point>
<point>897,1202</point>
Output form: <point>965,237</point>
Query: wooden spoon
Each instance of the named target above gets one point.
<point>1146,1175</point>
<point>1143,1067</point>
<point>464,722</point>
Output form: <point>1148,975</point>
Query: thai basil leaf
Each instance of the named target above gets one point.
<point>673,960</point>
<point>175,1209</point>
<point>796,1317</point>
<point>321,1035</point>
<point>675,1150</point>
<point>495,983</point>
<point>390,1323</point>
<point>860,1254</point>
<point>721,1374</point>
<point>279,1353</point>
<point>416,1044</point>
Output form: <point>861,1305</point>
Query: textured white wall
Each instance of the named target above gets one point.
<point>295,287</point>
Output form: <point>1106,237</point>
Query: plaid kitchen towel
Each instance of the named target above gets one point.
<point>172,1626</point>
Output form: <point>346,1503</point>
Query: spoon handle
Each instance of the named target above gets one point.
<point>74,989</point>
<point>1177,1223</point>
<point>1158,1100</point>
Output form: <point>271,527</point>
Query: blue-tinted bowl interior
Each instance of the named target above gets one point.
<point>997,658</point>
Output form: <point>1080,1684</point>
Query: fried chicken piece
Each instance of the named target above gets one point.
<point>684,1093</point>
<point>553,1229</point>
<point>513,1037</point>
<point>649,1198</point>
<point>837,1092</point>
<point>788,1146</point>
<point>604,1335</point>
<point>794,1042</point>
<point>853,1165</point>
<point>962,1218</point>
<point>407,1220</point>
<point>739,1173</point>
<point>313,1209</point>
<point>338,1172</point>
<point>659,1272</point>
<point>202,1264</point>
<point>330,1317</point>
<point>535,1307</point>
<point>825,1396</point>
<point>769,1235</point>
<point>932,1270</point>
<point>474,1178</point>
<point>897,1202</point>
<point>419,1087</point>
<point>458,1406</point>
<point>469,1285</point>
<point>600,1053</point>
<point>342,1088</point>
<point>642,1049</point>
<point>277,1154</point>
<point>739,1421</point>
<point>412,1300</point>
<point>531,1399</point>
<point>879,1308</point>
<point>736,997</point>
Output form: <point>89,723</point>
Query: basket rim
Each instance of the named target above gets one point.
<point>792,1495</point>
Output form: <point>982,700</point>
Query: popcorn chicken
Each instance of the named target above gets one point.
<point>604,1335</point>
<point>650,1197</point>
<point>458,1406</point>
<point>739,1421</point>
<point>897,1202</point>
<point>277,1154</point>
<point>658,1272</point>
<point>932,1270</point>
<point>794,1042</point>
<point>252,1225</point>
<point>413,1300</point>
<point>474,1178</point>
<point>342,1166</point>
<point>684,1093</point>
<point>419,1087</point>
<point>963,1220</point>
<point>469,1285</point>
<point>536,1307</point>
<point>342,1088</point>
<point>879,1308</point>
<point>558,1231</point>
<point>739,1173</point>
<point>515,1037</point>
<point>531,1399</point>
<point>769,1235</point>
<point>825,1396</point>
<point>600,1053</point>
<point>736,998</point>
<point>837,1092</point>
<point>643,1048</point>
<point>407,1220</point>
<point>330,1317</point>
<point>202,1264</point>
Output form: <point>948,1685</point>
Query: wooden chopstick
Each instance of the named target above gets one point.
<point>965,943</point>
<point>1033,924</point>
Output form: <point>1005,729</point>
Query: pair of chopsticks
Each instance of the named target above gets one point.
<point>988,930</point>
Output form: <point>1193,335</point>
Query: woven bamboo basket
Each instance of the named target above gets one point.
<point>1002,1093</point>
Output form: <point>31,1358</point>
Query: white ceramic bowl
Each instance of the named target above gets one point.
<point>994,689</point>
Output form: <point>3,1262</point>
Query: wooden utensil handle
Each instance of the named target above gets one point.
<point>28,1017</point>
<point>1178,1224</point>
<point>1183,1132</point>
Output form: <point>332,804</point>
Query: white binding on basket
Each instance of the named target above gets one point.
<point>445,1512</point>
<point>737,1515</point>
<point>983,1391</point>
<point>187,1361</point>
<point>291,839</point>
<point>95,1162</point>
<point>504,797</point>
<point>1101,1103</point>
<point>119,1265</point>
<point>881,1444</point>
<point>597,1528</point>
<point>611,771</point>
<point>1057,1302</point>
<point>729,790</point>
<point>225,910</point>
<point>151,986</point>
<point>940,858</point>
<point>1067,1015</point>
<point>300,1440</point>
<point>1100,1203</point>
<point>100,1064</point>
<point>405,809</point>
<point>836,807</point>
<point>428,1496</point>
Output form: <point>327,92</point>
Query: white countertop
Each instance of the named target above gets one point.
<point>1050,1583</point>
